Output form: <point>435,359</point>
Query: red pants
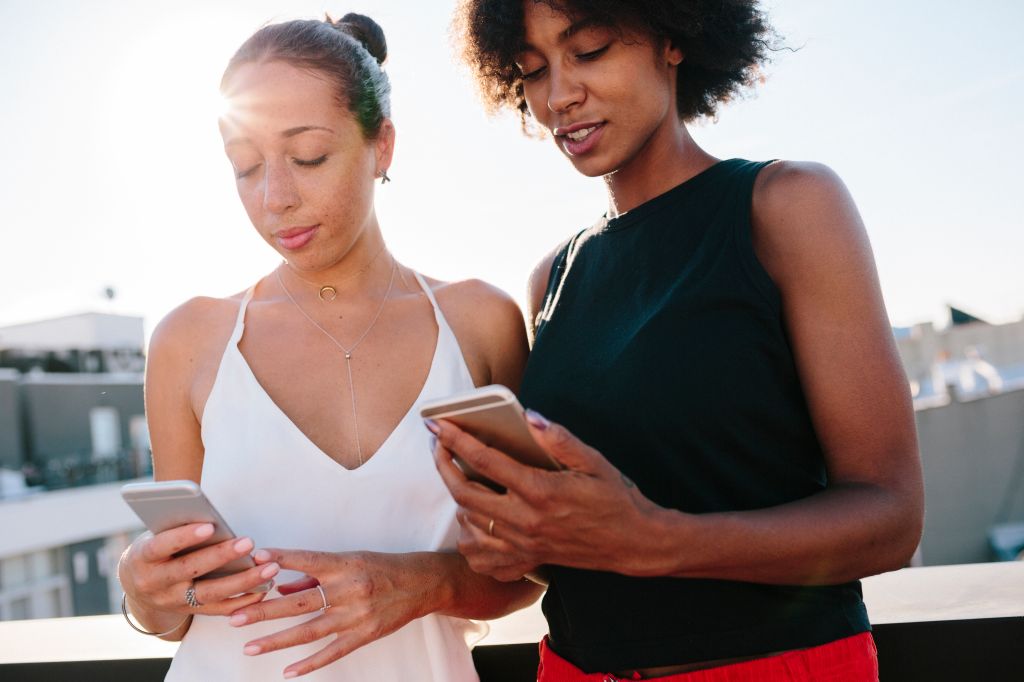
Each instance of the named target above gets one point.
<point>852,659</point>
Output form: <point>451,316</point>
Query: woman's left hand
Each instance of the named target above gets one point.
<point>589,515</point>
<point>370,595</point>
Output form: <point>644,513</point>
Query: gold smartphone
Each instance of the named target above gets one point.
<point>492,415</point>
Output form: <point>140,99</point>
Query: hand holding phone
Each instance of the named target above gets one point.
<point>170,504</point>
<point>492,415</point>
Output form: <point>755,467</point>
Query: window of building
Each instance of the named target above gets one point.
<point>33,586</point>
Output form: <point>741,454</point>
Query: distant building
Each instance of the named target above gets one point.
<point>71,426</point>
<point>967,382</point>
<point>86,343</point>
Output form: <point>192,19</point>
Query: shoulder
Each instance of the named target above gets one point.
<point>193,328</point>
<point>473,303</point>
<point>802,215</point>
<point>781,183</point>
<point>489,327</point>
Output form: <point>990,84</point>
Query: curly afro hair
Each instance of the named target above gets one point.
<point>725,43</point>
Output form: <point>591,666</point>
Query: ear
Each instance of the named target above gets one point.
<point>385,145</point>
<point>673,55</point>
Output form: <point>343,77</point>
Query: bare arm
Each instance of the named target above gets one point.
<point>499,333</point>
<point>811,240</point>
<point>153,581</point>
<point>866,521</point>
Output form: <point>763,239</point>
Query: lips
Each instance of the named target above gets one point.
<point>295,238</point>
<point>579,138</point>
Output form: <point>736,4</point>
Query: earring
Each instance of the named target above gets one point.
<point>384,176</point>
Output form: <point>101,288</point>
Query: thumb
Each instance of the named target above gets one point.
<point>309,562</point>
<point>567,449</point>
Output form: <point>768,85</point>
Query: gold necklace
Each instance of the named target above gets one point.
<point>328,292</point>
<point>347,351</point>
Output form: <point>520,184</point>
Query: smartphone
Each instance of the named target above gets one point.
<point>168,504</point>
<point>495,418</point>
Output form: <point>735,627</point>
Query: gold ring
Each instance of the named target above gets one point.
<point>490,527</point>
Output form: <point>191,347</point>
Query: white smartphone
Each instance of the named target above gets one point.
<point>494,417</point>
<point>168,504</point>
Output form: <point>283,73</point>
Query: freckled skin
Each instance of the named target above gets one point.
<point>277,191</point>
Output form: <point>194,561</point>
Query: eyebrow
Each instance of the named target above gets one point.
<point>290,132</point>
<point>575,27</point>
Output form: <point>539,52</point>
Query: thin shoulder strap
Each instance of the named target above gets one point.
<point>427,290</point>
<point>236,335</point>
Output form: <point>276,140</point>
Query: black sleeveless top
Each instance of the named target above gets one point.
<point>661,344</point>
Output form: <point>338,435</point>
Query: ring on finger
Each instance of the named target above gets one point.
<point>190,597</point>
<point>490,527</point>
<point>323,595</point>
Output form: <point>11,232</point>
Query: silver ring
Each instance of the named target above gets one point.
<point>490,527</point>
<point>190,597</point>
<point>323,595</point>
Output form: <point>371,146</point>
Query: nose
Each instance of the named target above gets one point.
<point>279,191</point>
<point>566,91</point>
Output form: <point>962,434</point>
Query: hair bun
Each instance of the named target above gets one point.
<point>367,31</point>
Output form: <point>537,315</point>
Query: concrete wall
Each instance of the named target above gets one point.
<point>11,444</point>
<point>58,518</point>
<point>973,458</point>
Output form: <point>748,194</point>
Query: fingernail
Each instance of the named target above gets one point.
<point>433,443</point>
<point>269,571</point>
<point>261,555</point>
<point>204,531</point>
<point>537,420</point>
<point>434,427</point>
<point>251,649</point>
<point>240,619</point>
<point>243,545</point>
<point>290,674</point>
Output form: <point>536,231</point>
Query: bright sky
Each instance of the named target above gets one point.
<point>113,172</point>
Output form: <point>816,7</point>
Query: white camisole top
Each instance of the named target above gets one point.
<point>271,483</point>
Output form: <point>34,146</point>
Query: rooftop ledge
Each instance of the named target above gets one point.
<point>934,623</point>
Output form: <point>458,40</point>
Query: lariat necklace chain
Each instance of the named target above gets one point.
<point>347,351</point>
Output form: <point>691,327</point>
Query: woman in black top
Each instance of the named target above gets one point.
<point>713,362</point>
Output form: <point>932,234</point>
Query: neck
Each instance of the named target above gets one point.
<point>669,157</point>
<point>358,272</point>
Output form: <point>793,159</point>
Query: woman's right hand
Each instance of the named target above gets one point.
<point>155,581</point>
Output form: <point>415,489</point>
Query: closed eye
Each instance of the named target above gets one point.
<point>312,162</point>
<point>593,54</point>
<point>534,75</point>
<point>246,173</point>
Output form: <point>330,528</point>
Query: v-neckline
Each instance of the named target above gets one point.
<point>295,427</point>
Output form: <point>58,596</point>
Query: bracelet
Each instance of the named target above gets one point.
<point>124,610</point>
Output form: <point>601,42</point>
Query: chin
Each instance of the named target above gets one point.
<point>592,167</point>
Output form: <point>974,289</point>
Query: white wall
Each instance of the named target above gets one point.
<point>61,517</point>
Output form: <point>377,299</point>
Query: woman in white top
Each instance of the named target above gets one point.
<point>294,403</point>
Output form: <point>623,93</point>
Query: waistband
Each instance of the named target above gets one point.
<point>851,659</point>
